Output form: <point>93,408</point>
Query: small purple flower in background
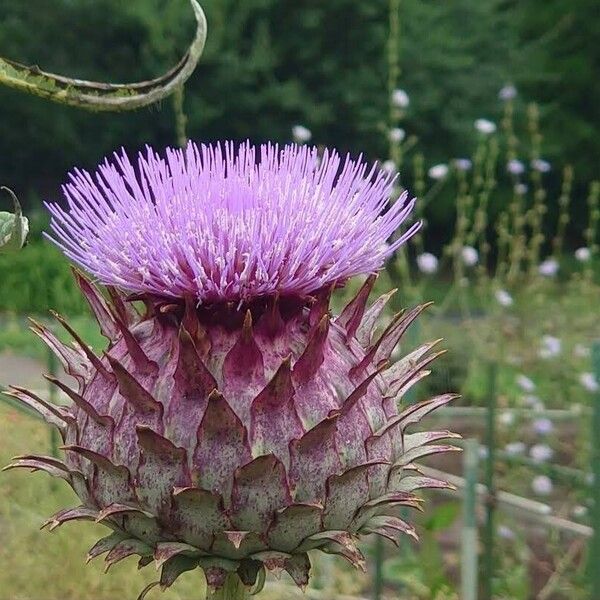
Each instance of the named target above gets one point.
<point>541,452</point>
<point>515,448</point>
<point>551,347</point>
<point>583,254</point>
<point>515,167</point>
<point>485,126</point>
<point>526,384</point>
<point>589,382</point>
<point>397,134</point>
<point>390,167</point>
<point>508,92</point>
<point>543,426</point>
<point>438,172</point>
<point>301,134</point>
<point>483,452</point>
<point>521,189</point>
<point>548,268</point>
<point>503,298</point>
<point>506,533</point>
<point>427,263</point>
<point>400,98</point>
<point>463,164</point>
<point>542,485</point>
<point>469,255</point>
<point>540,165</point>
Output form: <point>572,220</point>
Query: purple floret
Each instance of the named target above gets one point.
<point>222,223</point>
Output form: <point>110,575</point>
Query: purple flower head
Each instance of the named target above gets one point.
<point>225,224</point>
<point>508,92</point>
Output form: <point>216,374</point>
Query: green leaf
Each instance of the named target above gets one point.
<point>442,517</point>
<point>13,227</point>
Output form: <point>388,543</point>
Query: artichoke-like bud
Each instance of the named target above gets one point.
<point>14,227</point>
<point>234,424</point>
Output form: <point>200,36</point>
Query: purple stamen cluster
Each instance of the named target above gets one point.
<point>221,224</point>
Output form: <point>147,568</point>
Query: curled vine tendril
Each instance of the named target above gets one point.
<point>96,96</point>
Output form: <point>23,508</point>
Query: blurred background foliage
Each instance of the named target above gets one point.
<point>272,63</point>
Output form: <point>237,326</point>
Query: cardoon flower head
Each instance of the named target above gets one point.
<point>514,448</point>
<point>226,226</point>
<point>233,423</point>
<point>551,346</point>
<point>543,426</point>
<point>505,532</point>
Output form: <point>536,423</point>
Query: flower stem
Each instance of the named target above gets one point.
<point>233,589</point>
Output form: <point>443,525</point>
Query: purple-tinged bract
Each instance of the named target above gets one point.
<point>221,224</point>
<point>233,423</point>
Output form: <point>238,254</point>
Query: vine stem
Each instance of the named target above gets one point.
<point>233,589</point>
<point>180,117</point>
<point>97,96</point>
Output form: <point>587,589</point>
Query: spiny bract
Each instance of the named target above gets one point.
<point>236,430</point>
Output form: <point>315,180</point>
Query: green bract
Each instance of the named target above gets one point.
<point>13,227</point>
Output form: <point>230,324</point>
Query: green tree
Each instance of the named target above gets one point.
<point>564,77</point>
